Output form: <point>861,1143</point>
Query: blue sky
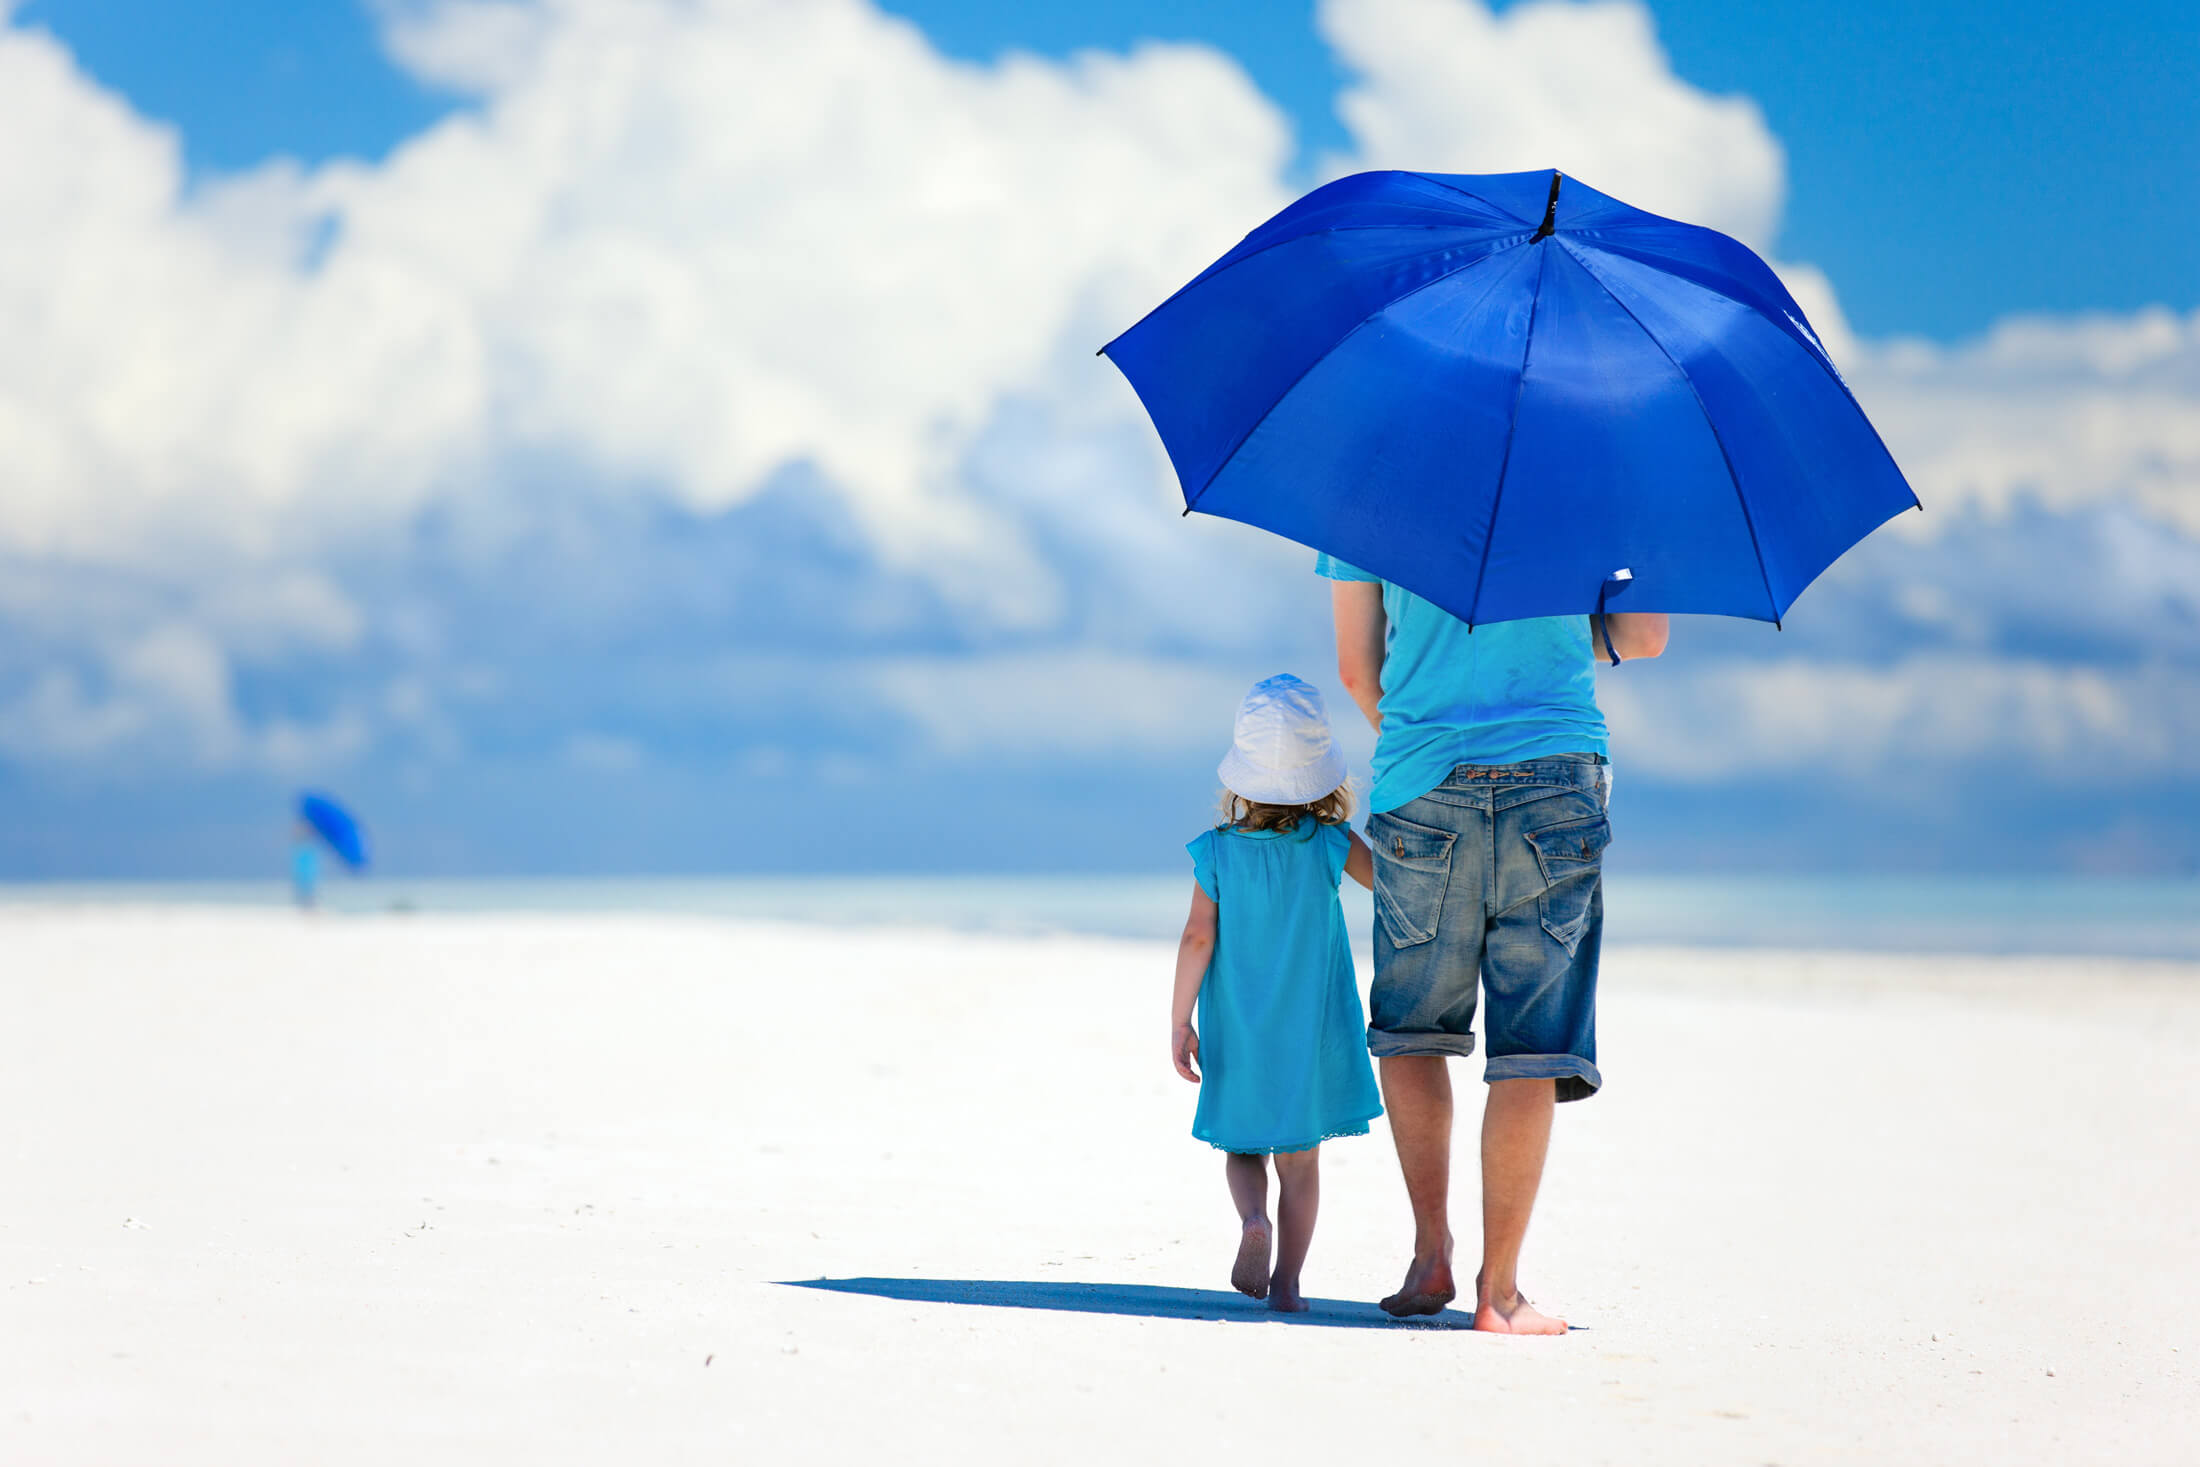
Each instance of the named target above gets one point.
<point>503,415</point>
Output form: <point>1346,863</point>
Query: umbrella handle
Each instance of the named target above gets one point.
<point>1615,583</point>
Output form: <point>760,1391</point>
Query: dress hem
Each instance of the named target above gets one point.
<point>1354,1128</point>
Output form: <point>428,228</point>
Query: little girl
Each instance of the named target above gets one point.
<point>1265,955</point>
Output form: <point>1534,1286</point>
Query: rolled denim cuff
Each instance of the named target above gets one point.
<point>1577,1078</point>
<point>1385,1043</point>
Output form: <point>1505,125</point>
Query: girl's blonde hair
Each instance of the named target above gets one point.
<point>1239,813</point>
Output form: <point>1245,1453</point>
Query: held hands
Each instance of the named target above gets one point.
<point>1184,1049</point>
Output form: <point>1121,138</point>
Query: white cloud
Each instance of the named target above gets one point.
<point>301,749</point>
<point>269,614</point>
<point>183,670</point>
<point>169,689</point>
<point>2069,413</point>
<point>1055,705</point>
<point>165,698</point>
<point>55,719</point>
<point>680,245</point>
<point>1719,720</point>
<point>603,753</point>
<point>478,46</point>
<point>1449,86</point>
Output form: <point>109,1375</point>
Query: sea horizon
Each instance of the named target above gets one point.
<point>2114,916</point>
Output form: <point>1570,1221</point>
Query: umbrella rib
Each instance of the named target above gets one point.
<point>1749,520</point>
<point>1470,194</point>
<point>1212,272</point>
<point>1821,356</point>
<point>1512,426</point>
<point>1659,261</point>
<point>1191,501</point>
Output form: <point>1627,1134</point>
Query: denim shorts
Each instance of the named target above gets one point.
<point>1495,874</point>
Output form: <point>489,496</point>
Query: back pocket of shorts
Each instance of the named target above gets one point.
<point>1571,857</point>
<point>1412,867</point>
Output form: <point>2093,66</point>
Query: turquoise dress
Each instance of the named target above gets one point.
<point>1282,1038</point>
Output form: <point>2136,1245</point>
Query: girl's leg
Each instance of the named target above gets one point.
<point>1298,1198</point>
<point>1249,1190</point>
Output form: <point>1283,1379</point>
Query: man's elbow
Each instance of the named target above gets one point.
<point>1358,678</point>
<point>1640,636</point>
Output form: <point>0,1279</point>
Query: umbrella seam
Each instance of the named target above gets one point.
<point>1469,194</point>
<point>1191,501</point>
<point>1821,356</point>
<point>1749,520</point>
<point>1512,427</point>
<point>1663,261</point>
<point>1215,271</point>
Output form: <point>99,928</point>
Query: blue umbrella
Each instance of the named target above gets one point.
<point>1517,397</point>
<point>335,825</point>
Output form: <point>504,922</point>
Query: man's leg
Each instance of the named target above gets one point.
<point>1417,1094</point>
<point>1516,1135</point>
<point>1431,903</point>
<point>1539,1027</point>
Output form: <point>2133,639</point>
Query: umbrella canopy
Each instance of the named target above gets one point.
<point>1500,390</point>
<point>335,826</point>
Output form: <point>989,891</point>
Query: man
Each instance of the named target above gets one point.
<point>1488,823</point>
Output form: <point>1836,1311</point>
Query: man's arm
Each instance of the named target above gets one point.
<point>1358,609</point>
<point>1634,633</point>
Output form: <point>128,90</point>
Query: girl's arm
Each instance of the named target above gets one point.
<point>1360,865</point>
<point>1192,955</point>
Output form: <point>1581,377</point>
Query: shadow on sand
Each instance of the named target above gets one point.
<point>1143,1300</point>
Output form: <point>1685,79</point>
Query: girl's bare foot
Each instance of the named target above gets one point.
<point>1518,1317</point>
<point>1427,1289</point>
<point>1250,1273</point>
<point>1284,1297</point>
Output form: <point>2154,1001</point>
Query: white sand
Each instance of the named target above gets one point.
<point>516,1189</point>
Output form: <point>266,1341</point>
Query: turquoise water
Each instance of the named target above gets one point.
<point>2113,916</point>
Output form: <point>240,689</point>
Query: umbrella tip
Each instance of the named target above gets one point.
<point>1549,225</point>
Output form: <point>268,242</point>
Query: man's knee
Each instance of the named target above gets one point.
<point>1522,1096</point>
<point>1416,1075</point>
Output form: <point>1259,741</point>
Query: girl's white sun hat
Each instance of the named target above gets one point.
<point>1284,753</point>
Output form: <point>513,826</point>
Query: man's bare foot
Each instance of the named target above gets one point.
<point>1284,1298</point>
<point>1249,1275</point>
<point>1518,1317</point>
<point>1427,1289</point>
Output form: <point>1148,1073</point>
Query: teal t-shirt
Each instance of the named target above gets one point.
<point>1504,692</point>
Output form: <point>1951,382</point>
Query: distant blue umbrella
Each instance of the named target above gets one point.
<point>1503,390</point>
<point>335,826</point>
